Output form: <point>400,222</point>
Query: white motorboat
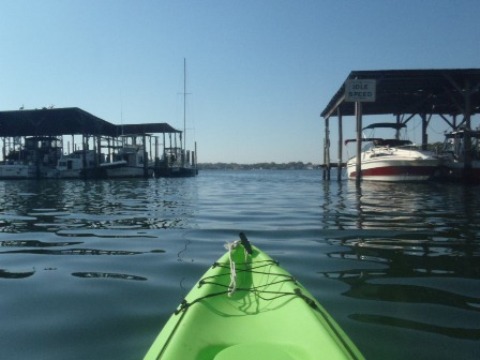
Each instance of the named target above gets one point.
<point>74,165</point>
<point>82,164</point>
<point>392,159</point>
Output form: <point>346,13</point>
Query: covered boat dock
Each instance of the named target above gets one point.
<point>53,122</point>
<point>452,94</point>
<point>37,136</point>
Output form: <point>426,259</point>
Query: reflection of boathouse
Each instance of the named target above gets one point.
<point>72,143</point>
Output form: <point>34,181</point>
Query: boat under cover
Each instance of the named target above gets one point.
<point>454,155</point>
<point>393,159</point>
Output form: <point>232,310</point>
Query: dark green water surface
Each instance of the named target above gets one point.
<point>92,270</point>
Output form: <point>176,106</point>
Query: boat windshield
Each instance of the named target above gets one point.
<point>392,142</point>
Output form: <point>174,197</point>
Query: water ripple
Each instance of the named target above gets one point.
<point>396,263</point>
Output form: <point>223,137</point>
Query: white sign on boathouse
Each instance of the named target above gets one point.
<point>360,90</point>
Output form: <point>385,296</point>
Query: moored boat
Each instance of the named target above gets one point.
<point>17,171</point>
<point>76,164</point>
<point>392,159</point>
<point>454,155</point>
<point>130,162</point>
<point>85,164</point>
<point>247,307</point>
<point>176,162</point>
<point>33,157</point>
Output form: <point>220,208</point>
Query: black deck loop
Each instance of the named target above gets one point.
<point>246,244</point>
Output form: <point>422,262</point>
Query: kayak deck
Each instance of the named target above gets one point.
<point>268,316</point>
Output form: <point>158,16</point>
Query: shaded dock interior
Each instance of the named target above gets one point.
<point>453,95</point>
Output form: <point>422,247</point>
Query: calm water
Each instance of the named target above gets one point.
<point>92,270</point>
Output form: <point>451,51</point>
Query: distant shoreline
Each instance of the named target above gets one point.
<point>258,166</point>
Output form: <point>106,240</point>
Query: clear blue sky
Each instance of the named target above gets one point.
<point>259,71</point>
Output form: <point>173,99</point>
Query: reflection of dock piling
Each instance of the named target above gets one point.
<point>445,93</point>
<point>328,167</point>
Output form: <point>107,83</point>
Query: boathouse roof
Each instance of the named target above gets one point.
<point>53,122</point>
<point>69,121</point>
<point>152,128</point>
<point>436,91</point>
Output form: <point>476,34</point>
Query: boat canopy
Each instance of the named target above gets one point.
<point>392,142</point>
<point>382,142</point>
<point>363,140</point>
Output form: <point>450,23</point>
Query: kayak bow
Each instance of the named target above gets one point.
<point>247,307</point>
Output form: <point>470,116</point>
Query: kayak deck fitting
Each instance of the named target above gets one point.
<point>247,307</point>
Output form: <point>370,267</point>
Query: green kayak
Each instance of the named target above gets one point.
<point>247,307</point>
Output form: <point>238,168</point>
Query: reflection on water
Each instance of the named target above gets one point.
<point>72,252</point>
<point>35,243</point>
<point>396,264</point>
<point>127,204</point>
<point>100,275</point>
<point>15,275</point>
<point>424,238</point>
<point>467,334</point>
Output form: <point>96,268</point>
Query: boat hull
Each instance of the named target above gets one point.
<point>18,171</point>
<point>395,170</point>
<point>23,171</point>
<point>269,316</point>
<point>456,171</point>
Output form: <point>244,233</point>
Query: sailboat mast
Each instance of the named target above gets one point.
<point>184,106</point>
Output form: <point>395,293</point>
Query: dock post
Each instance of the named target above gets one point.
<point>98,157</point>
<point>194,158</point>
<point>327,147</point>
<point>397,131</point>
<point>358,115</point>
<point>340,145</point>
<point>84,155</point>
<point>467,141</point>
<point>424,131</point>
<point>324,173</point>
<point>145,156</point>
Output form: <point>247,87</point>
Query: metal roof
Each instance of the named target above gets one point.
<point>53,122</point>
<point>140,129</point>
<point>69,121</point>
<point>436,91</point>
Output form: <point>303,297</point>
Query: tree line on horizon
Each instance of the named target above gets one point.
<point>294,165</point>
